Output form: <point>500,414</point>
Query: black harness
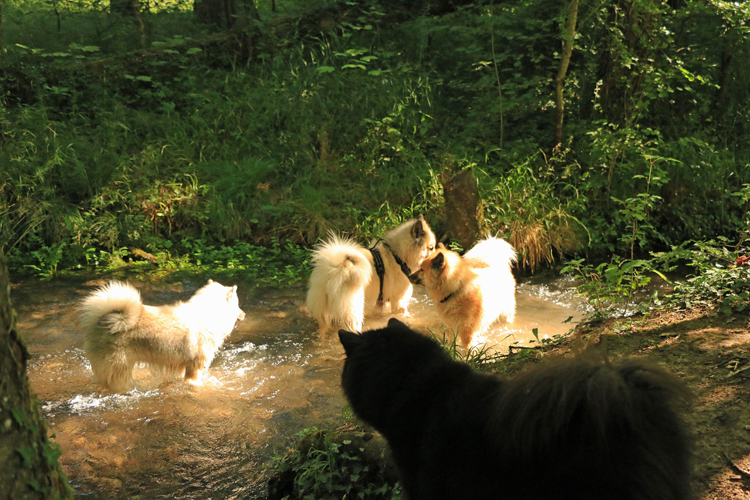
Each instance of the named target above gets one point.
<point>404,268</point>
<point>377,259</point>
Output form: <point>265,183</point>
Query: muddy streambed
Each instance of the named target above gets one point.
<point>273,377</point>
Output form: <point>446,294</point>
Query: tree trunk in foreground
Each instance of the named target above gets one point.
<point>28,460</point>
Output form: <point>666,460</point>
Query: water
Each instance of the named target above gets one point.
<point>273,377</point>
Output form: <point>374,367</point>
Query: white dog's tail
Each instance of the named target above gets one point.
<point>499,256</point>
<point>492,252</point>
<point>114,297</point>
<point>340,273</point>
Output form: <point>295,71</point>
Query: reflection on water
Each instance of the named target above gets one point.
<point>273,377</point>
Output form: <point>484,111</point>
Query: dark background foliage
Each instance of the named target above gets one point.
<point>156,125</point>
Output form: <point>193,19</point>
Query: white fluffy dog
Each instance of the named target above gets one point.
<point>181,339</point>
<point>350,281</point>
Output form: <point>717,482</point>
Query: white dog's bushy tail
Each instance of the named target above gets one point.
<point>493,252</point>
<point>114,297</point>
<point>498,255</point>
<point>340,273</point>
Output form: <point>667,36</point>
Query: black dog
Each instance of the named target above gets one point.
<point>581,429</point>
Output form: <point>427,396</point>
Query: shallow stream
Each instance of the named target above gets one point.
<point>273,377</point>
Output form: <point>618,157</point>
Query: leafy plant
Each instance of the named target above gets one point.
<point>611,288</point>
<point>636,210</point>
<point>323,466</point>
<point>721,276</point>
<point>546,341</point>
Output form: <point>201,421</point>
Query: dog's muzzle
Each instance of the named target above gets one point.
<point>416,278</point>
<point>239,318</point>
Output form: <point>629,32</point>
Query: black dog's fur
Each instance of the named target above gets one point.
<point>581,429</point>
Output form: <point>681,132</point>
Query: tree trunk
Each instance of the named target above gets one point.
<point>464,208</point>
<point>225,14</point>
<point>130,9</point>
<point>28,460</point>
<point>2,34</point>
<point>568,40</point>
<point>725,68</point>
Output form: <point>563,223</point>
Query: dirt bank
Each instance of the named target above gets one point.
<point>711,353</point>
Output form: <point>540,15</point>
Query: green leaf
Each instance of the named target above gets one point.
<point>194,50</point>
<point>326,69</point>
<point>27,454</point>
<point>347,66</point>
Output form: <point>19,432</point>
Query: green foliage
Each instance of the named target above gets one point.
<point>278,264</point>
<point>348,122</point>
<point>480,357</point>
<point>636,210</point>
<point>533,205</point>
<point>612,288</point>
<point>546,341</point>
<point>322,467</point>
<point>718,279</point>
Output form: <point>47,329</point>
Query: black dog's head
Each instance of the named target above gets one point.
<point>379,364</point>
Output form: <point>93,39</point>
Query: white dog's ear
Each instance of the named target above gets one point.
<point>418,229</point>
<point>441,246</point>
<point>232,293</point>
<point>210,282</point>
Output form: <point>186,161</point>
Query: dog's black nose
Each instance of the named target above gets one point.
<point>416,278</point>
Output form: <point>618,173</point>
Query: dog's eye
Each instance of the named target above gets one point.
<point>431,248</point>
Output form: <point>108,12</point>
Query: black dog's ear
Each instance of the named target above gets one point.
<point>394,323</point>
<point>438,262</point>
<point>418,229</point>
<point>350,341</point>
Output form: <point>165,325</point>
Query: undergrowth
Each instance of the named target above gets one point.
<point>349,125</point>
<point>327,466</point>
<point>713,273</point>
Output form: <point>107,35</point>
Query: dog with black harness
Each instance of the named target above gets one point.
<point>350,281</point>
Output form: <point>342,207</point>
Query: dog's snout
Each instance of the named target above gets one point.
<point>416,278</point>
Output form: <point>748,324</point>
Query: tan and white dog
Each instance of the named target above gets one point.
<point>181,339</point>
<point>473,291</point>
<point>350,281</point>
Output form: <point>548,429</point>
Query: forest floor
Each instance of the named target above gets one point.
<point>711,353</point>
